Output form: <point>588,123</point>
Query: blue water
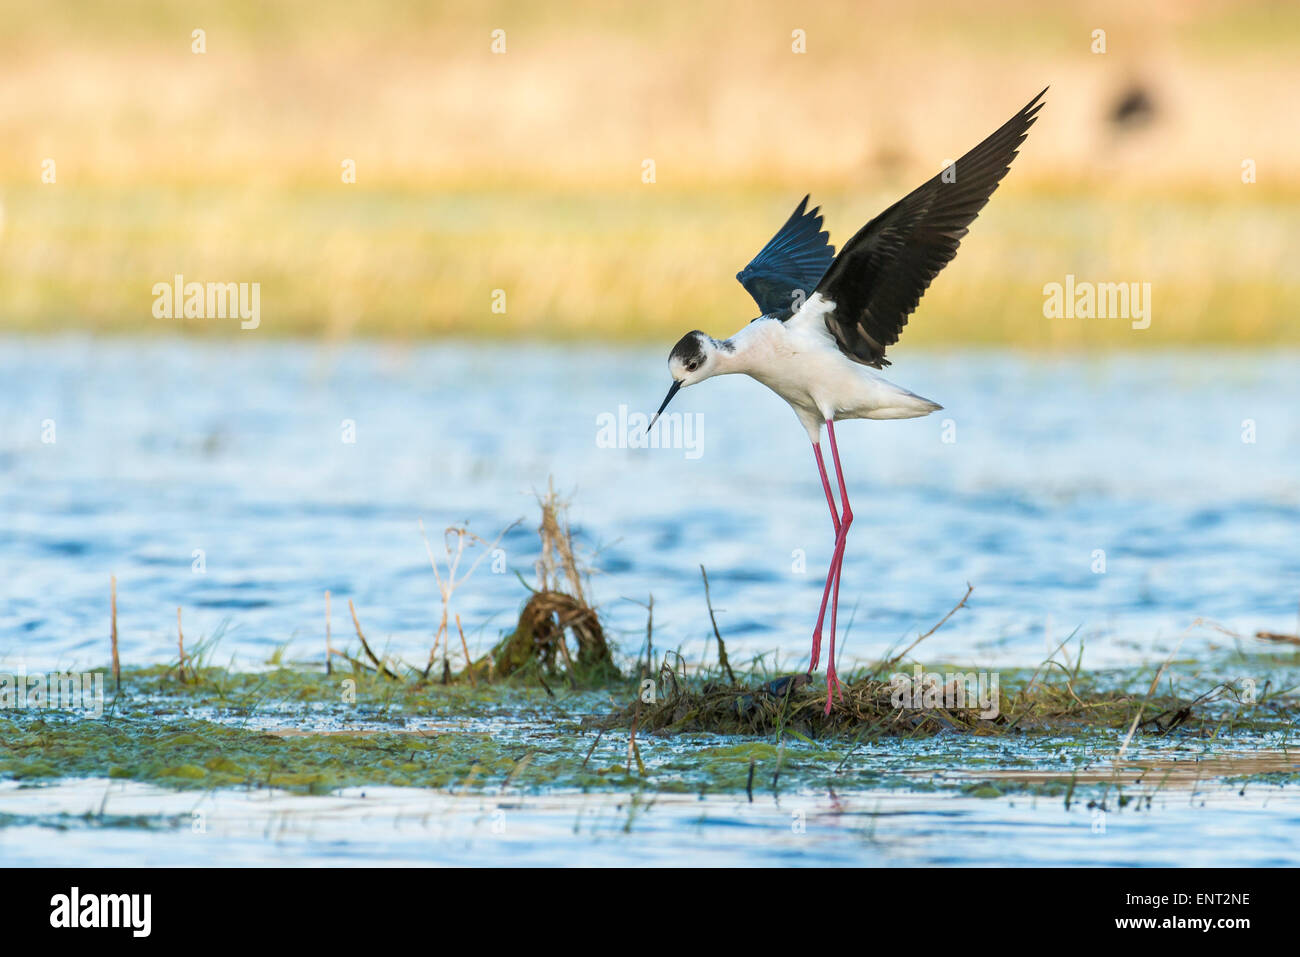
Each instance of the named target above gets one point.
<point>79,823</point>
<point>236,449</point>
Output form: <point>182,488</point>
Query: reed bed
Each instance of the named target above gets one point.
<point>478,172</point>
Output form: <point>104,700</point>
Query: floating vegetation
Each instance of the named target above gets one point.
<point>196,753</point>
<point>303,731</point>
<point>549,707</point>
<point>869,707</point>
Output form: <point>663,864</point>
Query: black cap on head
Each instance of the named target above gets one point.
<point>689,349</point>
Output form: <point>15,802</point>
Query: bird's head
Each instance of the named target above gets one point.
<point>693,359</point>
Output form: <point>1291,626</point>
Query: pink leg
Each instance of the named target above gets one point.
<point>830,572</point>
<point>837,562</point>
<point>833,575</point>
<point>826,487</point>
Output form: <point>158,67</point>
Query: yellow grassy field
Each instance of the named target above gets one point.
<point>522,171</point>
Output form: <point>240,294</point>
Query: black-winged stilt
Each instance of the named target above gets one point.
<point>813,350</point>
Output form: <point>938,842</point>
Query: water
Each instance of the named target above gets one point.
<point>220,478</point>
<point>217,477</point>
<point>114,823</point>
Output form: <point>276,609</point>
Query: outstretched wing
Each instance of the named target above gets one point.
<point>788,268</point>
<point>878,278</point>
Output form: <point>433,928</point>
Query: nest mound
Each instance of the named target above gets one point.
<point>558,633</point>
<point>795,703</point>
<point>539,640</point>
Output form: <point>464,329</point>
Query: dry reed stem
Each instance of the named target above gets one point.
<point>117,668</point>
<point>722,648</point>
<point>1152,690</point>
<point>650,632</point>
<point>379,665</point>
<point>1277,636</point>
<point>180,644</point>
<point>557,540</point>
<point>469,665</point>
<point>961,604</point>
<point>600,733</point>
<point>447,587</point>
<point>329,652</point>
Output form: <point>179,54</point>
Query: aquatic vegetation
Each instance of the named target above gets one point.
<point>882,700</point>
<point>549,708</point>
<point>539,640</point>
<point>924,705</point>
<point>188,752</point>
<point>304,731</point>
<point>551,614</point>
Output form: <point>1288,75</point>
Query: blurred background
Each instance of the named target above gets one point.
<point>477,227</point>
<point>522,170</point>
<point>545,197</point>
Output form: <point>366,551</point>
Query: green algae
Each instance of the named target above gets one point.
<point>292,690</point>
<point>303,731</point>
<point>189,752</point>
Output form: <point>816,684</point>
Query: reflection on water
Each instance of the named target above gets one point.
<point>221,477</point>
<point>114,823</point>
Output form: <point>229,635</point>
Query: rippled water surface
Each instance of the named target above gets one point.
<point>217,476</point>
<point>113,823</point>
<point>1125,497</point>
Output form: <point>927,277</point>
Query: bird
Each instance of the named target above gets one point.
<point>827,320</point>
<point>1134,108</point>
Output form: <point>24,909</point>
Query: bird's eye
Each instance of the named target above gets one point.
<point>692,366</point>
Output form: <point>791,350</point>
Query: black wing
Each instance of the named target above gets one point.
<point>880,275</point>
<point>788,268</point>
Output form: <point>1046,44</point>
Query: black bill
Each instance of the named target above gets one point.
<point>668,398</point>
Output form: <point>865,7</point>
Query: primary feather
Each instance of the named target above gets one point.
<point>879,276</point>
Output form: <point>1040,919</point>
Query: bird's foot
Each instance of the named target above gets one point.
<point>832,687</point>
<point>816,651</point>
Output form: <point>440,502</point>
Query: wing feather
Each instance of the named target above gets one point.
<point>880,275</point>
<point>788,268</point>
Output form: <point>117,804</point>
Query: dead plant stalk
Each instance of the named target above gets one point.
<point>448,585</point>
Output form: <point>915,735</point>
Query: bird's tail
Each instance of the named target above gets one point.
<point>903,404</point>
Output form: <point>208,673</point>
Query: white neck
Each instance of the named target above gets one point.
<point>749,350</point>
